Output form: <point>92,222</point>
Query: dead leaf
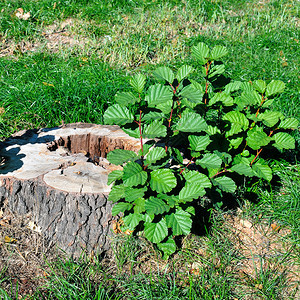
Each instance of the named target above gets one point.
<point>54,5</point>
<point>32,226</point>
<point>8,239</point>
<point>48,84</point>
<point>19,13</point>
<point>275,227</point>
<point>246,223</point>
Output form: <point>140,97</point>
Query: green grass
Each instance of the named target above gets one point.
<point>42,86</point>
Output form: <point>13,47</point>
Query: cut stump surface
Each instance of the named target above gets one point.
<point>59,176</point>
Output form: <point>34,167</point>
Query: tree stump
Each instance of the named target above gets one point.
<point>59,176</point>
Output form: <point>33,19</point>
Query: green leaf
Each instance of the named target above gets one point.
<point>156,232</point>
<point>260,86</point>
<point>154,130</point>
<point>191,122</point>
<point>232,87</point>
<point>190,192</point>
<point>164,73</point>
<point>250,98</point>
<point>154,155</point>
<point>162,181</point>
<point>218,52</point>
<point>153,115</point>
<point>256,138</point>
<point>125,98</point>
<point>159,94</point>
<point>289,123</point>
<point>117,115</point>
<point>224,98</point>
<point>177,155</point>
<point>235,143</point>
<point>134,174</point>
<point>262,171</point>
<point>196,178</point>
<point>283,140</point>
<point>116,193</point>
<point>131,194</point>
<point>225,183</point>
<point>120,156</point>
<point>132,220</point>
<point>243,169</point>
<point>275,87</point>
<point>180,222</point>
<point>156,206</point>
<point>114,175</point>
<point>270,118</point>
<point>138,82</point>
<point>211,130</point>
<point>120,207</point>
<point>132,132</point>
<point>216,70</point>
<point>139,205</point>
<point>183,72</point>
<point>201,53</point>
<point>210,161</point>
<point>199,143</point>
<point>168,247</point>
<point>238,122</point>
<point>192,94</point>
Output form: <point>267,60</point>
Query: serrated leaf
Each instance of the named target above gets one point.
<point>156,232</point>
<point>201,53</point>
<point>262,171</point>
<point>235,143</point>
<point>196,178</point>
<point>120,156</point>
<point>171,200</point>
<point>156,206</point>
<point>120,207</point>
<point>256,138</point>
<point>131,194</point>
<point>218,52</point>
<point>216,70</point>
<point>211,130</point>
<point>117,115</point>
<point>134,175</point>
<point>199,143</point>
<point>158,94</point>
<point>138,82</point>
<point>168,247</point>
<point>139,205</point>
<point>210,161</point>
<point>177,155</point>
<point>162,180</point>
<point>132,132</point>
<point>260,86</point>
<point>289,123</point>
<point>125,98</point>
<point>114,175</point>
<point>154,155</point>
<point>164,73</point>
<point>132,220</point>
<point>232,87</point>
<point>192,94</point>
<point>153,115</point>
<point>116,193</point>
<point>224,98</point>
<point>191,122</point>
<point>225,183</point>
<point>270,118</point>
<point>250,97</point>
<point>275,87</point>
<point>190,192</point>
<point>238,122</point>
<point>243,169</point>
<point>283,140</point>
<point>180,222</point>
<point>183,72</point>
<point>154,130</point>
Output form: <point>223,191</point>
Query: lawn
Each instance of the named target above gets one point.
<point>65,61</point>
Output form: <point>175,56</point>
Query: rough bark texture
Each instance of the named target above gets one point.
<point>59,175</point>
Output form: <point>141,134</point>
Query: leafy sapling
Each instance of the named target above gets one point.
<point>196,137</point>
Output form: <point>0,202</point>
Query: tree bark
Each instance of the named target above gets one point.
<point>59,176</point>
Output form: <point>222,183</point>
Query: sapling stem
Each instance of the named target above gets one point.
<point>190,162</point>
